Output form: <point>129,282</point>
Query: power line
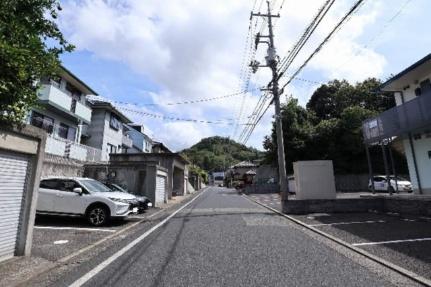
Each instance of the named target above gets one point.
<point>172,118</point>
<point>327,38</point>
<point>287,61</point>
<point>183,102</point>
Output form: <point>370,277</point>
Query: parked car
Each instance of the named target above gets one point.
<point>73,196</point>
<point>143,202</point>
<point>381,184</point>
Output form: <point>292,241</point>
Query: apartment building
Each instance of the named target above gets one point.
<point>408,122</point>
<point>64,113</point>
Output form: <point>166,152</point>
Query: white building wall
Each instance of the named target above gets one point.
<point>422,149</point>
<point>111,136</point>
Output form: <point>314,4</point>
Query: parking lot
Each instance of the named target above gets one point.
<point>55,238</point>
<point>403,240</point>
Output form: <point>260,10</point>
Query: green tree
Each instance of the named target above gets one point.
<point>330,127</point>
<point>30,45</point>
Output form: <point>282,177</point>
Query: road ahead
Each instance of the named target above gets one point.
<point>223,239</point>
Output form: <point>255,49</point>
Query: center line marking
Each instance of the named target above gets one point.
<point>346,223</point>
<point>391,242</point>
<point>81,281</point>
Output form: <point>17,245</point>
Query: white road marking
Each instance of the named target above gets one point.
<point>391,242</point>
<point>61,242</point>
<point>154,214</point>
<point>346,223</point>
<point>126,248</point>
<point>74,228</point>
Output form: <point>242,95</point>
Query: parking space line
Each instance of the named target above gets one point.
<point>391,242</point>
<point>75,228</point>
<point>346,223</point>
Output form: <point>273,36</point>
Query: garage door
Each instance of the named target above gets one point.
<point>160,189</point>
<point>13,175</point>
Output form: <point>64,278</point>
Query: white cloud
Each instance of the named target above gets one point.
<point>193,49</point>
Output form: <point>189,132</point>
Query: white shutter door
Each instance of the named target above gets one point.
<point>160,189</point>
<point>13,175</point>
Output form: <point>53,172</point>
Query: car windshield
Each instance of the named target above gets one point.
<point>95,186</point>
<point>116,187</point>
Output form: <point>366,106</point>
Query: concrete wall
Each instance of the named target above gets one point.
<point>423,157</point>
<point>61,166</point>
<point>138,177</point>
<point>29,141</point>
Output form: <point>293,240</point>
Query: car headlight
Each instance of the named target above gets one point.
<point>119,200</point>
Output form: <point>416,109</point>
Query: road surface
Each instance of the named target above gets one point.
<point>224,239</point>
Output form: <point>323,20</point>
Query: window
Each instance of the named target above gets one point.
<point>114,122</point>
<point>425,86</point>
<point>42,121</point>
<point>68,185</point>
<point>63,130</point>
<point>49,184</point>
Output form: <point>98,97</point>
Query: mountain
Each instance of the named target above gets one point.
<point>218,153</point>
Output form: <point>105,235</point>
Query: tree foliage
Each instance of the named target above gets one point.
<point>330,126</point>
<point>30,45</point>
<point>218,153</point>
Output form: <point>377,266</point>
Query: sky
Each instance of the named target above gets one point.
<point>144,55</point>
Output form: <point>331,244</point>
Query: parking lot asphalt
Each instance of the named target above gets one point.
<point>57,237</point>
<point>404,240</point>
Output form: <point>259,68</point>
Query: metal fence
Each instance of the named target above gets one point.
<point>410,116</point>
<point>73,150</point>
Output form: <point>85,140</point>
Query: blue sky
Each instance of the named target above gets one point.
<point>142,52</point>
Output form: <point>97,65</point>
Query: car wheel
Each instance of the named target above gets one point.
<point>98,215</point>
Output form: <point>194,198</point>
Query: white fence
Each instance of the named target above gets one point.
<point>72,150</point>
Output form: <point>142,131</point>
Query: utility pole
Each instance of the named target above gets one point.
<point>272,63</point>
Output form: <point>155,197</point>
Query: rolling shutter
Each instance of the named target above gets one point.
<point>160,189</point>
<point>13,177</point>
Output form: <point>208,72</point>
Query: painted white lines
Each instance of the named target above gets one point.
<point>391,241</point>
<point>347,223</point>
<point>81,281</point>
<point>61,242</point>
<point>75,228</point>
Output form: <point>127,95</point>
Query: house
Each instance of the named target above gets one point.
<point>242,172</point>
<point>141,141</point>
<point>107,129</point>
<point>408,122</point>
<point>64,113</point>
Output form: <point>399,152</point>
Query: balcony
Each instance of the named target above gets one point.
<point>61,100</point>
<point>127,142</point>
<point>69,149</point>
<point>413,116</point>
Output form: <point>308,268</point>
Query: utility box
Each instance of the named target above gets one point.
<point>314,179</point>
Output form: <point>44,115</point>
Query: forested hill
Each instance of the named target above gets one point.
<point>218,153</point>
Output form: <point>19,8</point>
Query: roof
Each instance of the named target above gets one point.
<point>162,146</point>
<point>78,81</point>
<point>244,164</point>
<point>421,66</point>
<point>100,104</point>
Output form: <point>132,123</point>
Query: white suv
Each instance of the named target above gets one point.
<point>74,196</point>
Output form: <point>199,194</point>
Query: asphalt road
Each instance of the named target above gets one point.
<point>223,239</point>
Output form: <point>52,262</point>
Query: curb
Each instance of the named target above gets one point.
<point>409,274</point>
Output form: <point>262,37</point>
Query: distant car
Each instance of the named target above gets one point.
<point>381,184</point>
<point>86,197</point>
<point>143,202</point>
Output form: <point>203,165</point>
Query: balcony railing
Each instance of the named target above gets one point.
<point>73,150</point>
<point>62,99</point>
<point>411,116</point>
